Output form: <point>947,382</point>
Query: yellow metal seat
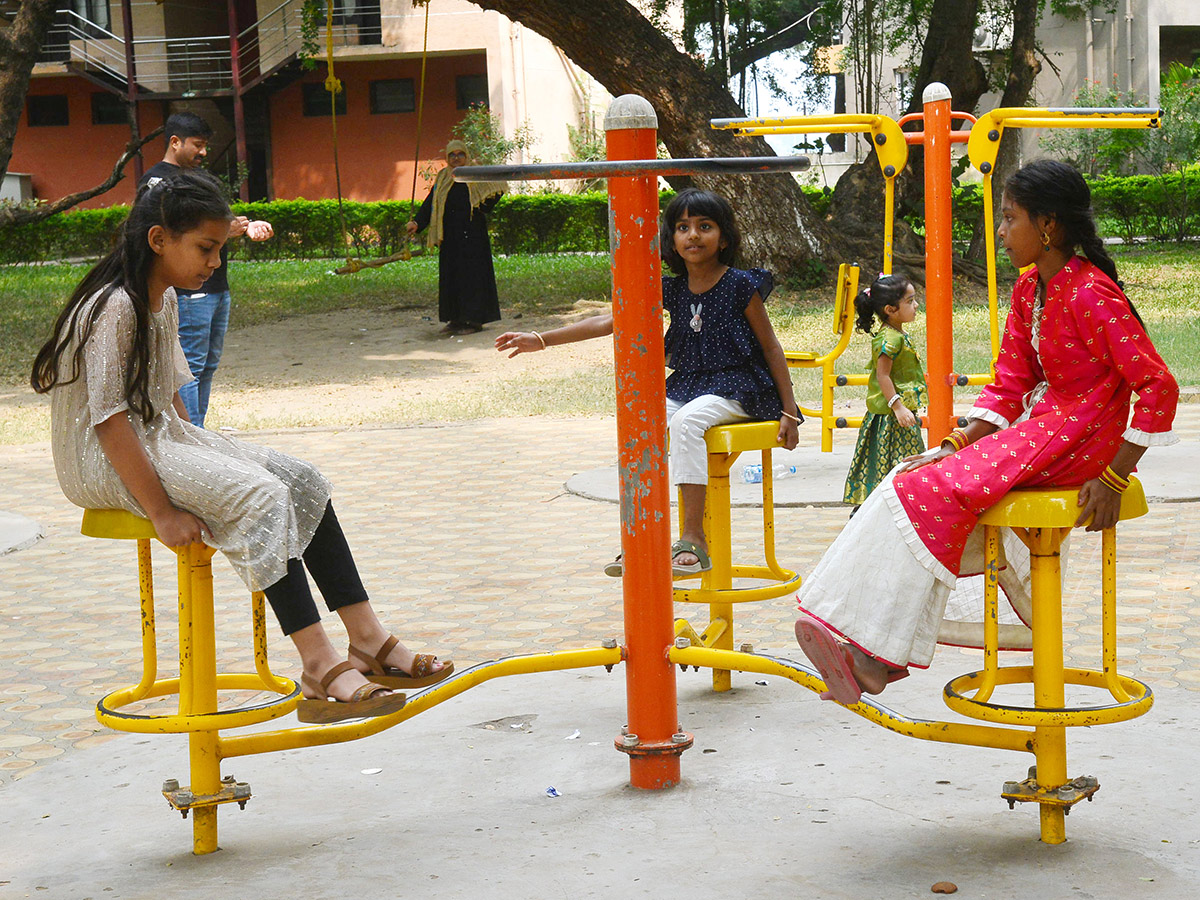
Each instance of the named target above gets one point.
<point>725,443</point>
<point>1042,519</point>
<point>198,682</point>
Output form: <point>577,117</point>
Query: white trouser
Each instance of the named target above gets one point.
<point>687,423</point>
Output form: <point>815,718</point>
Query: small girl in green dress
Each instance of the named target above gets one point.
<point>891,429</point>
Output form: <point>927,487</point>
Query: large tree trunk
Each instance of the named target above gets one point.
<point>622,50</point>
<point>1023,68</point>
<point>20,43</point>
<point>857,206</point>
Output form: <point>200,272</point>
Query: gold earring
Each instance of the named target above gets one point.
<point>1045,240</point>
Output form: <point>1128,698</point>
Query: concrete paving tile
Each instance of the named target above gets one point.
<point>470,570</point>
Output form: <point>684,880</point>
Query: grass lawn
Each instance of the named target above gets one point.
<point>1164,282</point>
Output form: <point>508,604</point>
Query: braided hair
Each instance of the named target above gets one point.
<point>1047,187</point>
<point>886,290</point>
<point>178,204</point>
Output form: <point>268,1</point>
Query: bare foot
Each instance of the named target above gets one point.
<point>400,658</point>
<point>686,557</point>
<point>872,675</point>
<point>343,687</point>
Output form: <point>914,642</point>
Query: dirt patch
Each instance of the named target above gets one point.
<point>349,367</point>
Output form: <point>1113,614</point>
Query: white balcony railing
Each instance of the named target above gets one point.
<point>201,65</point>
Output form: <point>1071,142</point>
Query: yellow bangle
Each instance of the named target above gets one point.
<point>1113,481</point>
<point>541,339</point>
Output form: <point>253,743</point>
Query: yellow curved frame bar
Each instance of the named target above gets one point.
<point>926,730</point>
<point>320,735</point>
<point>843,309</point>
<point>891,149</point>
<point>983,146</point>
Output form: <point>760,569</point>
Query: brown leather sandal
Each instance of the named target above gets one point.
<point>422,674</point>
<point>368,701</point>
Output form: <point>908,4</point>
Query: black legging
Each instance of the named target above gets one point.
<point>331,565</point>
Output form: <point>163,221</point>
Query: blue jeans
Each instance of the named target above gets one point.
<point>203,321</point>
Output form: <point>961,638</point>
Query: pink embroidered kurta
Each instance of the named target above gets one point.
<point>893,581</point>
<point>1093,354</point>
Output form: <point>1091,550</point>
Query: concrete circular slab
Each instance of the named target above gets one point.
<point>17,532</point>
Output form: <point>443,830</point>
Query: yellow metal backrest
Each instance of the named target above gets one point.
<point>843,300</point>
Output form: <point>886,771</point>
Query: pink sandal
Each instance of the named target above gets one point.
<point>828,655</point>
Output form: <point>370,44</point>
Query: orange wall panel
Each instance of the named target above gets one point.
<point>375,152</point>
<point>69,158</point>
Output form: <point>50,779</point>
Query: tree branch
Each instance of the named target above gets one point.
<point>783,39</point>
<point>20,216</point>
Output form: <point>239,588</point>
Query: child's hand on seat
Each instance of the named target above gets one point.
<point>789,433</point>
<point>178,528</point>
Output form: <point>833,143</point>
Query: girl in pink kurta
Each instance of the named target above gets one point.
<point>1074,352</point>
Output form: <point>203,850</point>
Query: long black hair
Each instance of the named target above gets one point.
<point>1047,187</point>
<point>179,204</point>
<point>699,203</point>
<point>886,290</point>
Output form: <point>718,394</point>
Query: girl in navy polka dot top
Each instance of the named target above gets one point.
<point>727,365</point>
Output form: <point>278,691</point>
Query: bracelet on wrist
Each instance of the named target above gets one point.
<point>541,340</point>
<point>957,439</point>
<point>1113,481</point>
<point>896,398</point>
<point>795,419</point>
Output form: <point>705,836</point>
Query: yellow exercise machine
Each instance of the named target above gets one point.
<point>199,685</point>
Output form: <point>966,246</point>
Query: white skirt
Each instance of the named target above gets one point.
<point>879,587</point>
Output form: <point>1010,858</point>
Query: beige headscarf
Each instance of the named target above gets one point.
<point>478,190</point>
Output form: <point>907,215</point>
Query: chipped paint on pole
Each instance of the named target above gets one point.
<point>631,134</point>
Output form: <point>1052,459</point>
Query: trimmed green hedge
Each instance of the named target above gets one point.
<point>1164,208</point>
<point>1135,206</point>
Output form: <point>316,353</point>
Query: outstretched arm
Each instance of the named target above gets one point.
<point>760,324</point>
<point>975,429</point>
<point>529,341</point>
<point>175,527</point>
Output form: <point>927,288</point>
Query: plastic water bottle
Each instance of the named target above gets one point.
<point>753,472</point>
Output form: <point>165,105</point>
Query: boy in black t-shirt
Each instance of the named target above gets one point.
<point>203,314</point>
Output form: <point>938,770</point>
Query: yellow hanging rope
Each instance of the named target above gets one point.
<point>334,86</point>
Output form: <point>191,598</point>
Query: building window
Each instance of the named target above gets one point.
<point>94,11</point>
<point>108,109</point>
<point>393,95</point>
<point>472,90</point>
<point>316,99</point>
<point>48,109</point>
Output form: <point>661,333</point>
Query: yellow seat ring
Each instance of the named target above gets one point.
<point>1141,699</point>
<point>108,710</point>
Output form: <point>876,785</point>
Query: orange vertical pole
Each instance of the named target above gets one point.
<point>631,130</point>
<point>939,271</point>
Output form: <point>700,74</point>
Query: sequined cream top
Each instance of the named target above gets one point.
<point>261,506</point>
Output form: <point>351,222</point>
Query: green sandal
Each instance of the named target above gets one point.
<point>702,564</point>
